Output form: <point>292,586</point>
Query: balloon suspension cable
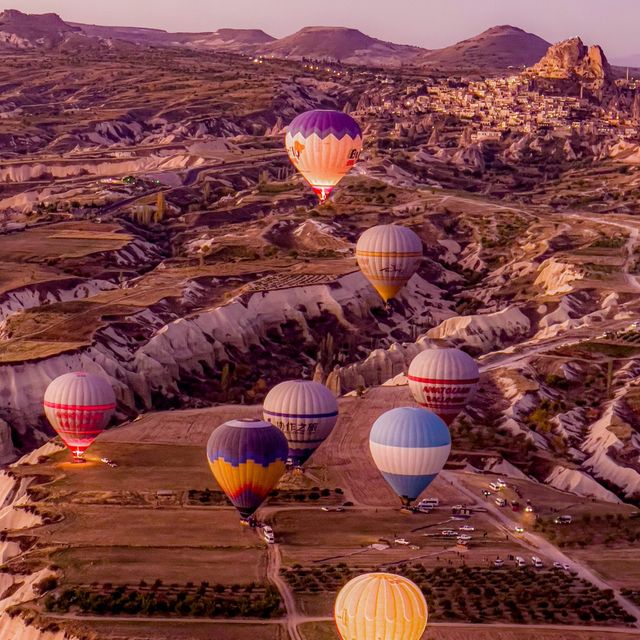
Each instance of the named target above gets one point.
<point>322,193</point>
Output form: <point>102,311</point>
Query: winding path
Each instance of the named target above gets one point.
<point>293,619</point>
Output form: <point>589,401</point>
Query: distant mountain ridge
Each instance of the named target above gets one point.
<point>499,47</point>
<point>231,39</point>
<point>23,31</point>
<point>495,49</point>
<point>340,43</point>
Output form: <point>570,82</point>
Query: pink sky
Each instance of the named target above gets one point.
<point>428,23</point>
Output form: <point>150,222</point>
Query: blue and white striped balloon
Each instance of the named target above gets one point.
<point>410,446</point>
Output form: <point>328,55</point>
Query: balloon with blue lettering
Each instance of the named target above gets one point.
<point>305,411</point>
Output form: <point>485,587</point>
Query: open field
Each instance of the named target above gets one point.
<point>140,468</point>
<point>619,565</point>
<point>12,277</point>
<point>172,564</point>
<point>60,241</point>
<point>185,630</point>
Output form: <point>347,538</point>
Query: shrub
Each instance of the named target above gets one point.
<point>47,583</point>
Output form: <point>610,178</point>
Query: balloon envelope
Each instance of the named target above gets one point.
<point>410,446</point>
<point>443,381</point>
<point>305,411</point>
<point>380,606</point>
<point>323,146</point>
<point>247,459</point>
<point>388,255</point>
<point>79,406</point>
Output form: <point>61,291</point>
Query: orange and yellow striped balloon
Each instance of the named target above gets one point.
<point>247,459</point>
<point>388,255</point>
<point>323,146</point>
<point>380,606</point>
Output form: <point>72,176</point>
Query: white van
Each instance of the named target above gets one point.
<point>520,562</point>
<point>501,502</point>
<point>565,519</point>
<point>536,562</point>
<point>267,534</point>
<point>429,503</point>
<point>494,486</point>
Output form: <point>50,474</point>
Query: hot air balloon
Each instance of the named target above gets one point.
<point>305,411</point>
<point>247,458</point>
<point>79,406</point>
<point>443,381</point>
<point>410,447</point>
<point>380,606</point>
<point>323,145</point>
<point>388,255</point>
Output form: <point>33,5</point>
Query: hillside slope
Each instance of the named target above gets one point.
<point>496,48</point>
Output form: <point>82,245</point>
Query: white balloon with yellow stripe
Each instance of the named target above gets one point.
<point>388,255</point>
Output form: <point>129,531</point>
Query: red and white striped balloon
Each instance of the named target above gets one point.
<point>443,381</point>
<point>79,406</point>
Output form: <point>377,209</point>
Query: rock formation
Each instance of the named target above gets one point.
<point>573,60</point>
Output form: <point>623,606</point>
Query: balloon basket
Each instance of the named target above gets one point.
<point>79,461</point>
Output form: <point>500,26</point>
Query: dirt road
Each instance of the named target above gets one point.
<point>541,545</point>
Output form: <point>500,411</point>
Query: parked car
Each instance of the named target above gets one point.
<point>498,562</point>
<point>520,562</point>
<point>564,519</point>
<point>537,562</point>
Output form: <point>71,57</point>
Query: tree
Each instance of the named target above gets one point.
<point>160,207</point>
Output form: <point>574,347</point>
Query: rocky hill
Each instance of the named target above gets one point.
<point>573,60</point>
<point>25,31</point>
<point>227,39</point>
<point>500,47</point>
<point>339,43</point>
